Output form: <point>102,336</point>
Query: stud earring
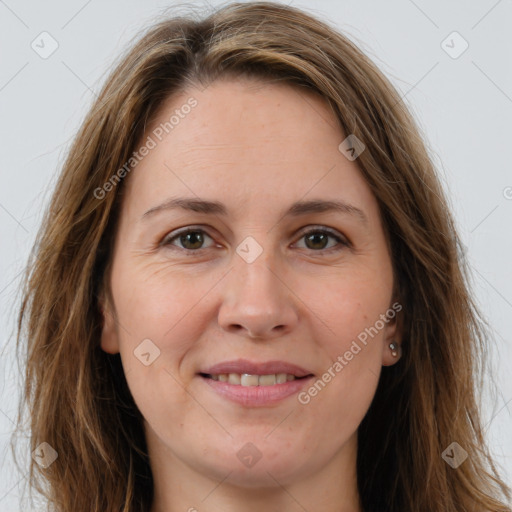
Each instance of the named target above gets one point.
<point>394,349</point>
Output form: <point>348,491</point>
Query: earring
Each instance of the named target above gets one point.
<point>394,349</point>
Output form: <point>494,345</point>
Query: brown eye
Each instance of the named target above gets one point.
<point>190,239</point>
<point>193,239</point>
<point>318,240</point>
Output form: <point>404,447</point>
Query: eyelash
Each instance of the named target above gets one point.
<point>167,241</point>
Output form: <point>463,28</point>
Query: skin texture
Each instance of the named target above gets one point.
<point>257,148</point>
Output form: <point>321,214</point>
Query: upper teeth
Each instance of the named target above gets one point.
<point>246,379</point>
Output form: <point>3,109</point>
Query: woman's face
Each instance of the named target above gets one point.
<point>267,276</point>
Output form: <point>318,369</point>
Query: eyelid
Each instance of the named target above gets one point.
<point>319,227</point>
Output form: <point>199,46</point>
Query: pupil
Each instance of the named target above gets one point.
<point>190,236</point>
<point>316,236</point>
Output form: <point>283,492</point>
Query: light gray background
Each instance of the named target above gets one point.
<point>463,105</point>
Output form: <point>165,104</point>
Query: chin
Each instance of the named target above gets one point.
<point>250,467</point>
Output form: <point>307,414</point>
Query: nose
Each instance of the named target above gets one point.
<point>257,300</point>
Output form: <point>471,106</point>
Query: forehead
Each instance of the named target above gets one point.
<point>248,144</point>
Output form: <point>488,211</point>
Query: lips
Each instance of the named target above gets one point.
<point>255,384</point>
<point>244,366</point>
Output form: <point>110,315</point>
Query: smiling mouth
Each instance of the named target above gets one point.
<point>248,380</point>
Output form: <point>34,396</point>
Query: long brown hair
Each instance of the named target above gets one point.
<point>77,397</point>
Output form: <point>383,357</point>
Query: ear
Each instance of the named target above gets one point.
<point>109,333</point>
<point>393,333</point>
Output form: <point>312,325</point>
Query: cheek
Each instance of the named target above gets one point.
<point>160,303</point>
<point>347,308</point>
<point>158,331</point>
<point>349,331</point>
<point>349,335</point>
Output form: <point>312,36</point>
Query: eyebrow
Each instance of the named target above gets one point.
<point>296,209</point>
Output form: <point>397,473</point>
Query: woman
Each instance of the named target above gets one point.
<point>192,347</point>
